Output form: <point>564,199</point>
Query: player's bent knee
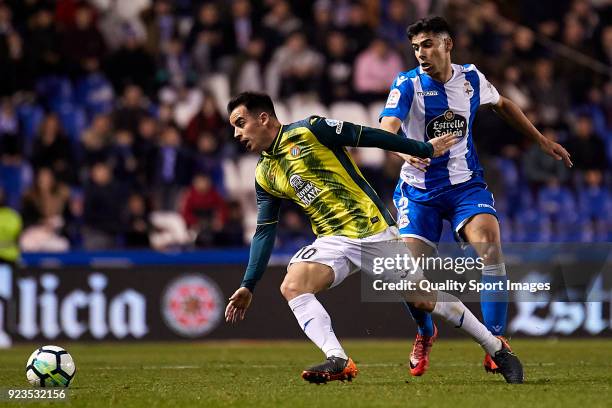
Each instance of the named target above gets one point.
<point>306,277</point>
<point>291,289</point>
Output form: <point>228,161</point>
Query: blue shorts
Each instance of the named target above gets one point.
<point>423,219</point>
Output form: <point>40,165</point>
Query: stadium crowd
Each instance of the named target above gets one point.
<point>113,132</point>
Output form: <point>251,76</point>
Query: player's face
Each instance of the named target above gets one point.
<point>432,51</point>
<point>251,130</point>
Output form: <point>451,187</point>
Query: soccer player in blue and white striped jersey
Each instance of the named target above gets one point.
<point>436,98</point>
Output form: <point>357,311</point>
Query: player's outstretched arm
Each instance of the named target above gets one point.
<point>512,114</point>
<point>392,124</point>
<point>261,248</point>
<point>371,137</point>
<point>340,133</point>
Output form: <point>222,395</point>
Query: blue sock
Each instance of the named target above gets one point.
<point>423,320</point>
<point>494,303</point>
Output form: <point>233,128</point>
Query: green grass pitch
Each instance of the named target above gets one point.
<point>563,373</point>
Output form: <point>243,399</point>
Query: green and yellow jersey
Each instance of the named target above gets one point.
<point>308,164</point>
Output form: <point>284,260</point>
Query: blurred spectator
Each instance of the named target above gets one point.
<point>13,69</point>
<point>96,140</point>
<point>280,22</point>
<point>595,203</point>
<point>357,30</point>
<point>295,67</point>
<point>539,167</point>
<point>93,90</point>
<point>550,97</point>
<point>524,49</point>
<point>73,228</point>
<point>515,88</point>
<point>244,23</point>
<point>207,159</point>
<point>232,232</point>
<point>375,70</point>
<point>136,222</point>
<point>103,205</point>
<point>208,119</point>
<point>124,160</point>
<point>161,26</point>
<point>145,147</point>
<point>131,64</point>
<point>248,68</point>
<point>322,24</point>
<point>396,18</point>
<point>42,51</point>
<point>337,79</point>
<point>204,210</point>
<point>605,50</point>
<point>53,149</point>
<point>131,108</point>
<point>45,200</point>
<point>172,169</point>
<point>556,202</point>
<point>587,149</point>
<point>9,124</point>
<point>175,65</point>
<point>83,40</point>
<point>210,40</point>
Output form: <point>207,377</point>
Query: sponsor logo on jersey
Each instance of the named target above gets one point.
<point>428,93</point>
<point>393,99</point>
<point>337,123</point>
<point>304,189</point>
<point>192,305</point>
<point>467,88</point>
<point>486,206</point>
<point>448,122</point>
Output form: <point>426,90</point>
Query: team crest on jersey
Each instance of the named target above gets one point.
<point>304,189</point>
<point>467,88</point>
<point>448,122</point>
<point>295,151</point>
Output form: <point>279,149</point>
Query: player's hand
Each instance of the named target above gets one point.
<point>556,151</point>
<point>442,143</point>
<point>238,304</point>
<point>416,162</point>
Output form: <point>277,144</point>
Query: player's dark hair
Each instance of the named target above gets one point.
<point>254,102</point>
<point>435,25</point>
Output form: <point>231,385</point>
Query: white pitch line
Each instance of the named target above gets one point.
<point>190,367</point>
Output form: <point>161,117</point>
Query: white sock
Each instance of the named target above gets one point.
<point>494,270</point>
<point>316,323</point>
<point>453,311</point>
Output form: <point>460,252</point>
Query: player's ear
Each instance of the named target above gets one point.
<point>448,44</point>
<point>264,118</point>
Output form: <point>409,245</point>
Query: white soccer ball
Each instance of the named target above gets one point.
<point>50,366</point>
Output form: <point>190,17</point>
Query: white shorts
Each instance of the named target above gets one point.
<point>344,254</point>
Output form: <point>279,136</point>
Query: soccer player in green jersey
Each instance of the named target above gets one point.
<point>307,162</point>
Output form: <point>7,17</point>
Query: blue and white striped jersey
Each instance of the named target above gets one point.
<point>429,109</point>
